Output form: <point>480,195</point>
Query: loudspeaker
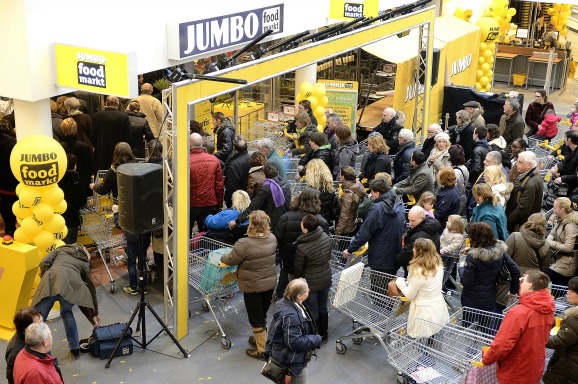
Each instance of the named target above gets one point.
<point>140,197</point>
<point>435,65</point>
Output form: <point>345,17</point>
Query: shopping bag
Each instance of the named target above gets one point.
<point>486,374</point>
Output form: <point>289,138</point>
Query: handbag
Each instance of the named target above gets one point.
<point>104,339</point>
<point>486,374</point>
<point>504,276</point>
<point>274,371</point>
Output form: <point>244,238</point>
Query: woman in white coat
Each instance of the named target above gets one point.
<point>423,288</point>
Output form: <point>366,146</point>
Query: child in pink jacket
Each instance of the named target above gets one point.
<point>573,115</point>
<point>549,126</point>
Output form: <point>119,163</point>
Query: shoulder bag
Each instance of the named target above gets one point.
<point>274,371</point>
<point>504,276</point>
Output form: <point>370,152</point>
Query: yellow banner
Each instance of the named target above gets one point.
<point>352,9</point>
<point>97,71</point>
<point>342,96</point>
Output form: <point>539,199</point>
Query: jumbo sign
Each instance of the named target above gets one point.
<point>205,36</point>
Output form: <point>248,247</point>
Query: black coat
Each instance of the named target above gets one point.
<point>429,228</point>
<point>140,131</point>
<point>524,200</point>
<point>109,127</point>
<point>323,153</point>
<point>427,146</point>
<point>373,164</point>
<point>8,181</point>
<point>236,174</point>
<point>225,136</point>
<point>568,167</point>
<point>389,131</point>
<point>401,165</point>
<point>476,164</point>
<point>264,201</point>
<point>83,153</point>
<point>328,199</point>
<point>287,231</point>
<point>74,196</point>
<point>464,136</point>
<point>312,255</point>
<point>447,203</point>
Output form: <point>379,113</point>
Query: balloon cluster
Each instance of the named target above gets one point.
<point>464,14</point>
<point>499,11</point>
<point>316,96</point>
<point>39,162</point>
<point>489,29</point>
<point>559,14</point>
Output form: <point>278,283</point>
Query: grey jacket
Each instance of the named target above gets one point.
<point>529,250</point>
<point>562,239</point>
<point>419,181</point>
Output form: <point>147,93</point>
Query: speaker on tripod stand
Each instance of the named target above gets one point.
<point>140,208</point>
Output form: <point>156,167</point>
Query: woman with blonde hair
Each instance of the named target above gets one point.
<point>439,157</point>
<point>501,188</point>
<point>423,287</point>
<point>562,242</point>
<point>528,247</point>
<point>488,211</point>
<point>319,177</point>
<point>301,137</point>
<point>377,159</point>
<point>254,256</point>
<point>218,224</point>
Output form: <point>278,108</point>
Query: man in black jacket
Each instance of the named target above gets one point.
<point>389,129</point>
<point>420,227</point>
<point>236,169</point>
<point>320,149</point>
<point>481,149</point>
<point>566,170</point>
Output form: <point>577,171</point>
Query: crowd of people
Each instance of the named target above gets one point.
<point>473,180</point>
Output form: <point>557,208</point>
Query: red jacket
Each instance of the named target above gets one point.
<point>520,344</point>
<point>207,185</point>
<point>549,126</point>
<point>29,368</point>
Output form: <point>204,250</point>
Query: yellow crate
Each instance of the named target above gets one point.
<point>520,78</point>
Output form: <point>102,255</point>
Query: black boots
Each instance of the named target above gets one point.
<point>322,325</point>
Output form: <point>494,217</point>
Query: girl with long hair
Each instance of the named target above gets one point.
<point>319,177</point>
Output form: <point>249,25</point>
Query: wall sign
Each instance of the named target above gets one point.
<point>342,97</point>
<point>208,35</point>
<point>93,70</point>
<point>352,9</point>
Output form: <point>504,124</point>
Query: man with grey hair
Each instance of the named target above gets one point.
<point>420,227</point>
<point>333,121</point>
<point>429,142</point>
<point>35,364</point>
<point>526,197</point>
<point>389,129</point>
<point>151,107</point>
<point>83,121</point>
<point>266,147</point>
<point>206,184</point>
<point>511,124</point>
<point>401,164</point>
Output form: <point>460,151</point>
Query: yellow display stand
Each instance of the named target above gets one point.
<point>18,269</point>
<point>249,112</point>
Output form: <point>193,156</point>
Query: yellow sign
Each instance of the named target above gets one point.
<point>202,114</point>
<point>352,9</point>
<point>96,71</point>
<point>342,99</point>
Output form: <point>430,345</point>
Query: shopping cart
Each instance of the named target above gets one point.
<point>97,223</point>
<point>434,353</point>
<point>215,282</point>
<point>560,294</point>
<point>291,164</point>
<point>365,300</point>
<point>296,186</point>
<point>337,262</point>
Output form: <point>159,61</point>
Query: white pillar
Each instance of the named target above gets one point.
<point>32,118</point>
<point>308,73</point>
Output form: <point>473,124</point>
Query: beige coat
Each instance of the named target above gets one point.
<point>426,302</point>
<point>442,160</point>
<point>255,260</point>
<point>255,181</point>
<point>562,239</point>
<point>153,111</point>
<point>450,242</point>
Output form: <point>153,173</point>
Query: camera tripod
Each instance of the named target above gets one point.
<point>140,309</point>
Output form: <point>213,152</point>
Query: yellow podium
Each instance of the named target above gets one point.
<point>18,269</point>
<point>249,112</point>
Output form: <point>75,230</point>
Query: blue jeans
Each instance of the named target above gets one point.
<point>45,305</point>
<point>132,252</point>
<point>317,303</point>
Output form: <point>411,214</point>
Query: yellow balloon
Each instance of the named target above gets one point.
<point>484,81</point>
<point>483,47</point>
<point>323,101</point>
<point>559,27</point>
<point>61,234</point>
<point>554,20</point>
<point>55,224</point>
<point>490,60</point>
<point>488,54</point>
<point>318,91</point>
<point>20,211</point>
<point>19,188</point>
<point>52,196</point>
<point>21,236</point>
<point>44,239</point>
<point>550,11</point>
<point>459,13</point>
<point>481,60</point>
<point>305,89</point>
<point>319,112</point>
<point>30,196</point>
<point>485,67</point>
<point>320,128</point>
<point>565,7</point>
<point>506,39</point>
<point>313,102</point>
<point>43,212</point>
<point>479,73</point>
<point>60,208</point>
<point>556,7</point>
<point>511,11</point>
<point>30,226</point>
<point>298,98</point>
<point>38,160</point>
<point>564,32</point>
<point>491,46</point>
<point>478,87</point>
<point>468,14</point>
<point>489,73</point>
<point>322,120</point>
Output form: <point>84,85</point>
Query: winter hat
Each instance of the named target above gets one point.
<point>442,136</point>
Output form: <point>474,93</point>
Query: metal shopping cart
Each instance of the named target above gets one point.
<point>291,164</point>
<point>337,262</point>
<point>560,294</point>
<point>97,222</point>
<point>365,299</point>
<point>441,353</point>
<point>215,282</point>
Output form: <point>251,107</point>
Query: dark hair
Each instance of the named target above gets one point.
<point>573,284</point>
<point>343,134</point>
<point>318,138</point>
<point>538,279</point>
<point>481,132</point>
<point>24,317</point>
<point>71,161</point>
<point>573,136</point>
<point>270,171</point>
<point>379,185</point>
<point>493,131</point>
<point>6,128</point>
<point>240,144</point>
<point>481,235</point>
<point>257,159</point>
<point>122,154</point>
<point>305,104</point>
<point>219,116</point>
<point>310,222</point>
<point>196,127</point>
<point>418,157</point>
<point>155,149</point>
<point>543,94</point>
<point>348,173</point>
<point>521,142</point>
<point>308,201</point>
<point>457,155</point>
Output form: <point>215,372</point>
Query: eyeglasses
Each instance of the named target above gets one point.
<point>536,96</point>
<point>516,147</point>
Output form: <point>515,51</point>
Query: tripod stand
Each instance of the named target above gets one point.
<point>140,309</point>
